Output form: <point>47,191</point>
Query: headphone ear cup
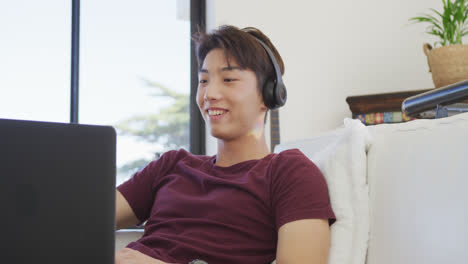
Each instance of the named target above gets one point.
<point>274,91</point>
<point>280,94</point>
<point>269,94</point>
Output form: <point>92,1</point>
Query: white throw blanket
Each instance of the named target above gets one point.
<point>341,156</point>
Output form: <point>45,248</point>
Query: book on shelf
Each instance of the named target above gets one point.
<point>382,117</point>
<point>373,109</point>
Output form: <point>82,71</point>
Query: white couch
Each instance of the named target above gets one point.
<point>398,190</point>
<point>418,178</point>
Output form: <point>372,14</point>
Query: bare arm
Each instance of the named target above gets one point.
<point>124,215</point>
<point>130,256</point>
<point>303,241</point>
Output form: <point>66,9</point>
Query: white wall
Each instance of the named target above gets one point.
<point>334,49</point>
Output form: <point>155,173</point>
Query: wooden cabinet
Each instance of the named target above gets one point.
<point>373,109</point>
<point>381,108</point>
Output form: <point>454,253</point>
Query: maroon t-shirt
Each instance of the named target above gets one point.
<point>197,210</point>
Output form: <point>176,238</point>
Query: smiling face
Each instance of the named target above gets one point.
<point>228,98</point>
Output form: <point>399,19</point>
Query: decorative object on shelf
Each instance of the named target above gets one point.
<point>448,63</point>
<point>450,98</point>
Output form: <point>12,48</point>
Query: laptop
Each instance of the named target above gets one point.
<point>57,193</point>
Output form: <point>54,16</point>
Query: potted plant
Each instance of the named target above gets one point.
<point>449,62</point>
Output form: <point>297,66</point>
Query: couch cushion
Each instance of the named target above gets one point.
<point>341,157</point>
<point>418,176</point>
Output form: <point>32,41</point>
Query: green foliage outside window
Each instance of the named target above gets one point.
<point>169,127</point>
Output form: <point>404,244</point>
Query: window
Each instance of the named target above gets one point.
<point>135,76</point>
<point>136,71</point>
<point>35,60</point>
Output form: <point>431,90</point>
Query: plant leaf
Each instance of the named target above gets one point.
<point>450,25</point>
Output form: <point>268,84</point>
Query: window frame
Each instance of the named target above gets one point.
<point>197,124</point>
<point>197,22</point>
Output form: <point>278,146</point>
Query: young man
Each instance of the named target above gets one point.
<point>243,205</point>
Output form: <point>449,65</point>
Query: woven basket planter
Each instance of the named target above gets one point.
<point>448,64</point>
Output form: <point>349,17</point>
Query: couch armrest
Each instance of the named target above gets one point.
<point>125,236</point>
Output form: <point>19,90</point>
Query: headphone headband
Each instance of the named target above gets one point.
<point>274,92</point>
<point>272,58</point>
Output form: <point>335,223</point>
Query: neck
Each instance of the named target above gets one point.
<point>242,149</point>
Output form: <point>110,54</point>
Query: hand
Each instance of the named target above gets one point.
<point>130,256</point>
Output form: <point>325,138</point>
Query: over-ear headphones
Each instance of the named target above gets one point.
<point>274,91</point>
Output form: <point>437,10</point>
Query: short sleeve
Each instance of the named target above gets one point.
<point>139,189</point>
<point>298,190</point>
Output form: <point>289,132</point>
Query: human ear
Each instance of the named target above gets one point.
<point>263,107</point>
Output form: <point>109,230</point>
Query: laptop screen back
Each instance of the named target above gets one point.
<point>57,193</point>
